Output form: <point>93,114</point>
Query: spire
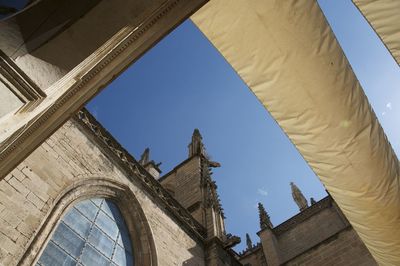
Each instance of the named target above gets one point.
<point>248,241</point>
<point>298,197</point>
<point>196,147</point>
<point>145,158</point>
<point>312,201</point>
<point>151,167</point>
<point>265,221</point>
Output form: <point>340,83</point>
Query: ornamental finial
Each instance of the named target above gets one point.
<point>298,197</point>
<point>265,221</point>
<point>249,242</point>
<point>145,158</point>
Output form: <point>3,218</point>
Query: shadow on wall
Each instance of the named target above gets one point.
<point>195,260</point>
<point>39,22</point>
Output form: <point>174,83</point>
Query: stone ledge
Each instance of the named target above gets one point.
<point>129,163</point>
<point>302,216</point>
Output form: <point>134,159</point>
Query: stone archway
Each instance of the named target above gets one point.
<point>139,229</point>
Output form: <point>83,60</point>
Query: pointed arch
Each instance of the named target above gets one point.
<point>143,246</point>
<point>92,232</point>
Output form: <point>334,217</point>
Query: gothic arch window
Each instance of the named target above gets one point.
<point>92,232</point>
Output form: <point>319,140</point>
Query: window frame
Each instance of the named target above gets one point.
<point>143,247</point>
<point>19,84</point>
<point>83,211</point>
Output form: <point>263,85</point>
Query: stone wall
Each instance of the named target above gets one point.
<point>217,255</point>
<point>184,181</point>
<point>318,235</point>
<point>253,257</point>
<point>345,248</point>
<point>304,235</point>
<point>69,156</point>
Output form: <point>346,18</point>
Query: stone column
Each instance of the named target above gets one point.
<point>268,238</point>
<point>270,246</point>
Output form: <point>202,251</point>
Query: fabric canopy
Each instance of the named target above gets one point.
<point>384,17</point>
<point>288,56</point>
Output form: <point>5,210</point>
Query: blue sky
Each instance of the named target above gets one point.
<point>183,83</point>
<point>376,70</point>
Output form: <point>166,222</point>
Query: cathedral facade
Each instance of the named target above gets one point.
<point>81,199</point>
<point>56,55</point>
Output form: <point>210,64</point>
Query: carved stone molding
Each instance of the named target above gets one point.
<point>19,83</point>
<point>248,251</point>
<point>128,162</point>
<point>138,227</point>
<point>91,76</point>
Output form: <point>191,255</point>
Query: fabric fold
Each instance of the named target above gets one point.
<point>287,54</point>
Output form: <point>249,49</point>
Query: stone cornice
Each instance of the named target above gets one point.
<point>162,178</point>
<point>250,251</point>
<point>128,162</point>
<point>302,216</point>
<point>87,79</point>
<point>216,241</point>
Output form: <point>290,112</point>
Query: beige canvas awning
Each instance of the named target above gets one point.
<point>384,17</point>
<point>288,56</point>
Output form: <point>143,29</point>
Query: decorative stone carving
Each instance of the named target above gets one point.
<point>231,241</point>
<point>312,201</point>
<point>19,83</point>
<point>137,171</point>
<point>196,147</point>
<point>150,165</point>
<point>249,243</point>
<point>265,221</point>
<point>213,199</point>
<point>214,164</point>
<point>145,158</point>
<point>298,197</point>
<point>253,249</point>
<point>81,84</point>
<point>83,189</point>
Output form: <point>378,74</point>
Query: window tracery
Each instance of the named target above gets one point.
<point>92,232</point>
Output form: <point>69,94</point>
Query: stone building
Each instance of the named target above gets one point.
<point>318,235</point>
<point>56,55</point>
<point>70,192</point>
<point>81,197</point>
